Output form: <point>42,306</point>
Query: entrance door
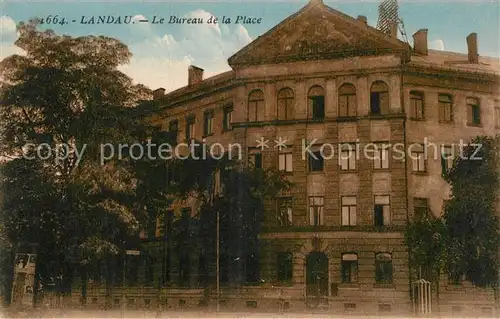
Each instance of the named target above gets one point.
<point>317,274</point>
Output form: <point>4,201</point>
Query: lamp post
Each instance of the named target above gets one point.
<point>123,284</point>
<point>218,265</point>
<point>127,253</point>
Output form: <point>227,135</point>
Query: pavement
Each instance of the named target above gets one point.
<point>113,313</point>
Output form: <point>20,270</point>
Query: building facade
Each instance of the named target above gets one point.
<point>365,119</point>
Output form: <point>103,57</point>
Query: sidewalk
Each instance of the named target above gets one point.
<point>114,313</point>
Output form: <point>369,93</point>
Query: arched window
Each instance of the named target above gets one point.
<point>473,111</point>
<point>383,268</point>
<point>379,98</point>
<point>284,267</point>
<point>316,97</point>
<point>349,268</point>
<point>255,106</point>
<point>417,105</point>
<point>347,100</point>
<point>286,99</point>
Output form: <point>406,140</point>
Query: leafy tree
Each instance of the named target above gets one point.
<point>68,91</point>
<point>465,241</point>
<point>470,215</point>
<point>427,241</point>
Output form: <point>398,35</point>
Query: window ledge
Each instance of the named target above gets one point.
<point>384,286</point>
<point>347,118</point>
<point>445,122</point>
<point>225,130</point>
<point>475,125</point>
<point>282,284</point>
<point>453,287</point>
<point>286,172</point>
<point>346,285</point>
<point>417,119</point>
<point>347,171</point>
<point>316,172</point>
<point>382,170</point>
<point>424,173</point>
<point>208,135</point>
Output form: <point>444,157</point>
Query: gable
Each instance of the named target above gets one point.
<point>317,32</point>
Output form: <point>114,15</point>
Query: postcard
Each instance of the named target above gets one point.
<point>311,158</point>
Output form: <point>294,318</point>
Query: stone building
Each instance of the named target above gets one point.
<point>321,78</point>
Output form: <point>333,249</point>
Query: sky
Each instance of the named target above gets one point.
<point>163,52</point>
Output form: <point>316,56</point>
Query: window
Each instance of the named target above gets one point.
<point>208,123</point>
<point>316,210</point>
<point>347,157</point>
<point>381,156</point>
<point>347,100</point>
<point>285,104</point>
<point>447,158</point>
<point>148,271</point>
<point>382,211</point>
<point>160,225</point>
<point>384,307</point>
<point>497,117</point>
<point>417,105</point>
<point>445,111</point>
<point>379,98</point>
<point>252,268</point>
<point>190,122</point>
<point>474,111</point>
<point>285,264</point>
<point>418,160</point>
<point>285,211</point>
<point>151,228</point>
<point>256,106</point>
<point>316,97</point>
<point>316,161</point>
<point>455,277</point>
<point>132,265</point>
<point>383,268</point>
<point>184,268</point>
<point>285,162</point>
<point>173,126</point>
<point>349,268</point>
<point>420,208</point>
<point>348,210</point>
<point>228,117</point>
<point>255,160</point>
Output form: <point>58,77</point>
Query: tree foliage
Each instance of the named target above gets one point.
<point>465,241</point>
<point>427,240</point>
<point>68,91</point>
<point>470,216</point>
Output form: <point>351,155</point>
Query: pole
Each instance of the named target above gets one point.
<point>123,283</point>
<point>218,265</point>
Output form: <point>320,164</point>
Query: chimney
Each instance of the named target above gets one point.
<point>195,75</point>
<point>313,2</point>
<point>394,30</point>
<point>472,48</point>
<point>363,19</point>
<point>158,93</point>
<point>420,42</point>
